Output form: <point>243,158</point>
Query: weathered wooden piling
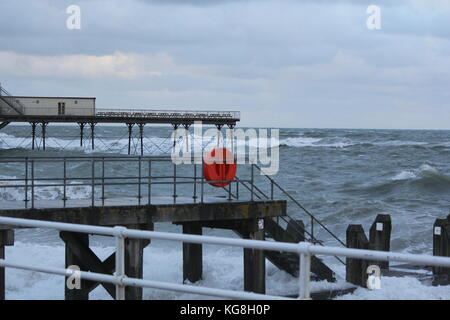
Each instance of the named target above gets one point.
<point>6,239</point>
<point>254,260</point>
<point>356,269</point>
<point>380,237</point>
<point>79,254</point>
<point>441,245</point>
<point>192,254</point>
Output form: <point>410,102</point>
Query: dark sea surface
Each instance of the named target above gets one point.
<point>344,176</point>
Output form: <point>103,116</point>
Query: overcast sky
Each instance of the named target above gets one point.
<point>281,63</point>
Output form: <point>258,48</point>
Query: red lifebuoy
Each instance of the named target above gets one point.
<point>219,165</point>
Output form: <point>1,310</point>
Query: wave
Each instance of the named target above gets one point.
<point>163,146</point>
<point>399,143</point>
<point>424,179</point>
<point>342,142</point>
<point>42,193</point>
<point>424,171</point>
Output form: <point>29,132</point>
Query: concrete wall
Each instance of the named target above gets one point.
<point>48,106</point>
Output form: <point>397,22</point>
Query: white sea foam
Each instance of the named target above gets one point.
<point>404,175</point>
<point>43,193</point>
<point>316,142</point>
<point>424,169</point>
<point>400,288</point>
<point>222,269</point>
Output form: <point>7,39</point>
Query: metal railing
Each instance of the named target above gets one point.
<point>298,228</point>
<point>141,176</point>
<point>305,251</point>
<point>97,179</point>
<point>176,114</point>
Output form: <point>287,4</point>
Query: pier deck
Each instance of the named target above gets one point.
<point>131,211</point>
<point>244,217</point>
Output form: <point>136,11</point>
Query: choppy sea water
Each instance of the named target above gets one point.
<point>342,176</point>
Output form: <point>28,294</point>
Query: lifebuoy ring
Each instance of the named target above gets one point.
<point>219,165</point>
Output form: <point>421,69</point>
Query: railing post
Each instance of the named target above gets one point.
<point>203,181</point>
<point>120,262</point>
<point>64,182</point>
<point>304,274</point>
<point>174,182</point>
<point>103,180</point>
<point>93,181</point>
<point>32,184</point>
<point>237,189</point>
<point>149,181</point>
<point>26,183</point>
<point>139,180</point>
<point>252,183</point>
<point>195,181</point>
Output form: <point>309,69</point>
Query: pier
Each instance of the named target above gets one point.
<point>87,118</point>
<point>183,198</point>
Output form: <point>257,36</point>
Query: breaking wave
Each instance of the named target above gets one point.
<point>424,179</point>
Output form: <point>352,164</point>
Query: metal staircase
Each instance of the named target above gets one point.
<point>9,105</point>
<point>294,232</point>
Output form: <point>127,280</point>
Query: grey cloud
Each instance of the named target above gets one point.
<point>309,60</point>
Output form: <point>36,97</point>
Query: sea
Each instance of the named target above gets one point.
<point>341,176</point>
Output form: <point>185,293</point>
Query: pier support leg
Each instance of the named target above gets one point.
<point>134,262</point>
<point>92,124</point>
<point>356,269</point>
<point>79,254</point>
<point>44,133</point>
<point>33,135</point>
<point>192,255</point>
<point>75,242</point>
<point>130,131</point>
<point>82,125</point>
<point>6,239</point>
<point>141,136</point>
<point>254,261</point>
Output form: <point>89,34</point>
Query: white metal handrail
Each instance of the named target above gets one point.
<point>119,279</point>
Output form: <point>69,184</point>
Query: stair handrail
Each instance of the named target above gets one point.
<point>9,100</point>
<point>312,238</point>
<point>313,218</point>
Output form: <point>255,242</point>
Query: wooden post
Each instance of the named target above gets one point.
<point>73,257</point>
<point>254,260</point>
<point>134,262</point>
<point>6,239</point>
<point>356,269</point>
<point>192,255</point>
<point>380,237</point>
<point>441,244</point>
